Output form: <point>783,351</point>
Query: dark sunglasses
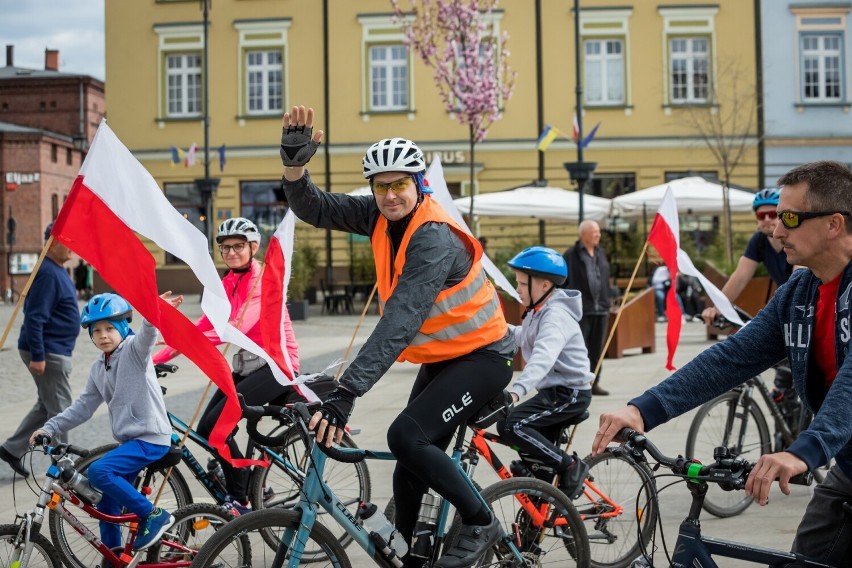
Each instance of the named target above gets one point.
<point>792,219</point>
<point>761,215</point>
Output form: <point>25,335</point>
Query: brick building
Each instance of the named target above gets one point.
<point>47,119</point>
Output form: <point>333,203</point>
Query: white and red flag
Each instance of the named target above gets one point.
<point>113,200</point>
<point>665,236</point>
<point>190,155</point>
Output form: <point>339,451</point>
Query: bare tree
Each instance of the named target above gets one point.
<point>727,127</point>
<point>455,38</point>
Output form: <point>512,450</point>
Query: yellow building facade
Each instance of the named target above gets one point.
<point>653,75</point>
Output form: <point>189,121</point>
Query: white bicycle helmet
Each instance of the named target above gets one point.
<point>238,227</point>
<point>393,155</point>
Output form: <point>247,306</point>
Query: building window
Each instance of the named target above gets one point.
<point>263,66</point>
<point>54,205</point>
<point>186,198</point>
<point>388,82</point>
<point>262,202</point>
<point>822,67</point>
<point>689,34</point>
<point>709,175</point>
<point>54,153</point>
<point>183,85</point>
<point>611,185</point>
<point>388,77</point>
<point>604,68</point>
<point>69,157</point>
<point>263,82</point>
<point>689,75</point>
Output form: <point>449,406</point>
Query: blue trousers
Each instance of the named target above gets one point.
<point>114,475</point>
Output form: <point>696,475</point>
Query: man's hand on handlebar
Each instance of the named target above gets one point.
<point>39,437</point>
<point>611,424</point>
<point>781,466</point>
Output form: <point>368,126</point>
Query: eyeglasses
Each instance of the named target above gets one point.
<point>397,186</point>
<point>237,248</point>
<point>762,215</point>
<point>792,219</point>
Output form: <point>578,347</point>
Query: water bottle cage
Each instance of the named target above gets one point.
<point>385,549</point>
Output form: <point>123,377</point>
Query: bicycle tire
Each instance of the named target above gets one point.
<point>73,548</point>
<point>194,525</point>
<point>278,520</point>
<point>349,481</point>
<point>715,423</point>
<point>49,556</point>
<point>614,542</point>
<point>563,545</point>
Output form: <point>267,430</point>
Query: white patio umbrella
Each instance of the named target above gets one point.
<point>539,202</point>
<point>365,190</point>
<point>694,196</point>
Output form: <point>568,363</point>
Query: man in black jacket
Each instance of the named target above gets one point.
<point>588,272</point>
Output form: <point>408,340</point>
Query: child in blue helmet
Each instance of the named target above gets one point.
<point>124,378</point>
<point>557,365</point>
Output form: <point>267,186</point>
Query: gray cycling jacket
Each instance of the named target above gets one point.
<point>435,260</point>
<point>783,328</point>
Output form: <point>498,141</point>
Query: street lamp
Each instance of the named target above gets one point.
<point>580,172</point>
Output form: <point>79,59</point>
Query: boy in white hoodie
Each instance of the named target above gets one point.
<point>557,364</point>
<point>124,378</point>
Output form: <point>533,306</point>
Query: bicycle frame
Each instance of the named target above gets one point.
<point>479,447</point>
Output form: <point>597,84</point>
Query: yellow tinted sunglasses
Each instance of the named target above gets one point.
<point>397,186</point>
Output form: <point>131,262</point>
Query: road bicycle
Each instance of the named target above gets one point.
<point>736,421</point>
<point>730,473</point>
<point>274,486</point>
<point>541,526</point>
<point>614,506</point>
<point>22,545</point>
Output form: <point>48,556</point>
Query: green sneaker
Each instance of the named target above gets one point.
<point>155,524</point>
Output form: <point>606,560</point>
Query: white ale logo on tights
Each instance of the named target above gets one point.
<point>452,411</point>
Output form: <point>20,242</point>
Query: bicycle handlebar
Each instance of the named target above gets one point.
<point>163,369</point>
<point>299,414</point>
<point>730,473</point>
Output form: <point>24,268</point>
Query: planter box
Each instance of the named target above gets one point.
<point>754,297</point>
<point>635,327</point>
<point>298,309</point>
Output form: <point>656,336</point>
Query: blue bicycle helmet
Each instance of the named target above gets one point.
<point>542,262</point>
<point>110,307</point>
<point>768,196</point>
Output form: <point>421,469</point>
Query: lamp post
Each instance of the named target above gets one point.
<point>578,170</point>
<point>207,186</point>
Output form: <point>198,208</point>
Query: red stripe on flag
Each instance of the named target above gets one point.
<point>663,239</point>
<point>89,227</point>
<point>272,306</point>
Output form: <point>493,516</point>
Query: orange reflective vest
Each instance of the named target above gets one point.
<point>465,317</point>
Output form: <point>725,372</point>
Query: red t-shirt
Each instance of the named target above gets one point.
<point>823,351</point>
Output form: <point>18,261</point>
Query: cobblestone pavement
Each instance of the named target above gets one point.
<point>323,339</point>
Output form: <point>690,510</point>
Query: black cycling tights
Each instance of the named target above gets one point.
<point>444,395</point>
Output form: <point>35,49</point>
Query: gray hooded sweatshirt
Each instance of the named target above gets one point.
<point>130,389</point>
<point>552,345</point>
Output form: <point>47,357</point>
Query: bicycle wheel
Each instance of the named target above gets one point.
<point>720,423</point>
<point>43,555</point>
<point>558,539</point>
<point>617,509</point>
<point>219,550</point>
<point>75,551</point>
<point>194,525</point>
<point>349,481</point>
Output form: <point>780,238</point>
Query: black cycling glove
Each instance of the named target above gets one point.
<point>338,407</point>
<point>297,146</point>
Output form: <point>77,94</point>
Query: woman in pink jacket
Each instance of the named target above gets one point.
<point>239,240</point>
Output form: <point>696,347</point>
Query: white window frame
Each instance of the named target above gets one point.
<point>186,74</point>
<point>492,23</point>
<point>177,40</point>
<point>608,25</point>
<point>383,29</point>
<point>822,22</point>
<point>690,57</point>
<point>265,35</point>
<point>687,22</point>
<point>388,65</point>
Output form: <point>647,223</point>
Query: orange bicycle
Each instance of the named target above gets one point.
<point>616,505</point>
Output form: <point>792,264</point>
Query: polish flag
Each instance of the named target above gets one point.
<point>273,303</point>
<point>665,236</point>
<point>190,155</point>
<point>576,133</point>
<point>112,200</point>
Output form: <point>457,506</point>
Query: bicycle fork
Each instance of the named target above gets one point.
<point>30,523</point>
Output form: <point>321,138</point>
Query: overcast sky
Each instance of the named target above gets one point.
<point>74,27</point>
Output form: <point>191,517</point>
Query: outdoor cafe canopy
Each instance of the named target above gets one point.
<point>694,196</point>
<point>539,202</point>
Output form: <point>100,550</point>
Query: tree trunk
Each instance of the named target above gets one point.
<point>726,211</point>
<point>472,186</point>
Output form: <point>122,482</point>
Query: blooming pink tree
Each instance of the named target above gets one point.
<point>456,39</point>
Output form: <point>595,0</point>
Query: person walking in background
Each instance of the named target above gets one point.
<point>48,335</point>
<point>81,279</point>
<point>588,272</point>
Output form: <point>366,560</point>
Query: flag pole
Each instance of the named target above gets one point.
<point>206,390</point>
<point>357,327</point>
<point>25,291</point>
<point>620,308</point>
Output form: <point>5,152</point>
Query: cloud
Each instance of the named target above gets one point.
<point>74,27</point>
